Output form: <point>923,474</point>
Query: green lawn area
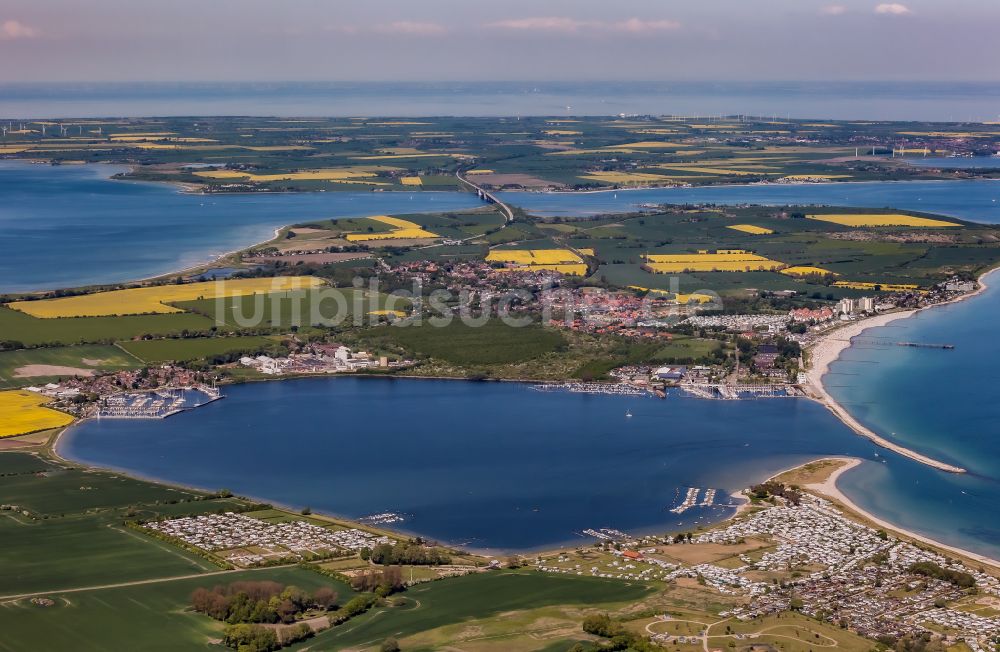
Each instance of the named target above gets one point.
<point>74,535</point>
<point>30,331</point>
<point>330,306</point>
<point>88,357</point>
<point>458,343</point>
<point>179,350</point>
<point>445,602</point>
<point>149,617</point>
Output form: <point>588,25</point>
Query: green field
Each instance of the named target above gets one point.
<point>331,306</point>
<point>180,350</point>
<point>85,358</point>
<point>151,617</point>
<point>462,344</point>
<point>447,602</point>
<point>73,534</point>
<point>18,327</point>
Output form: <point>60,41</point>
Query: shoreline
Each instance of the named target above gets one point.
<point>828,349</point>
<point>829,489</point>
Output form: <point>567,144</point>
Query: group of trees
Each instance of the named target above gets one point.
<point>382,582</point>
<point>620,638</point>
<point>406,552</point>
<point>260,602</point>
<point>258,638</point>
<point>930,569</point>
<point>771,488</point>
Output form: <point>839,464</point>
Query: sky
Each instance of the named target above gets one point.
<point>504,40</point>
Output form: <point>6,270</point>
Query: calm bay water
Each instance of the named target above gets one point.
<point>68,226</point>
<point>490,465</point>
<point>940,101</point>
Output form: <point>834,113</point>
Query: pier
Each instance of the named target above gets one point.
<point>882,341</point>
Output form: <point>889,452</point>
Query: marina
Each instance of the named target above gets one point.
<point>157,404</point>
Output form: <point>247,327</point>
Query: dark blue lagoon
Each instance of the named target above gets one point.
<point>974,200</point>
<point>489,465</point>
<point>68,226</point>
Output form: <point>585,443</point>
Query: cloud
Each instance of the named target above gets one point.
<point>12,29</point>
<point>892,9</point>
<point>542,24</point>
<point>571,25</point>
<point>833,10</point>
<point>411,28</point>
<point>637,25</point>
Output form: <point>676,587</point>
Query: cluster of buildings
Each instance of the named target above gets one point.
<point>830,567</point>
<point>741,323</point>
<point>321,359</point>
<point>246,541</point>
<point>71,392</point>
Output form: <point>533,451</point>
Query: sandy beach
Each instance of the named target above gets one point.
<point>826,351</point>
<point>829,489</point>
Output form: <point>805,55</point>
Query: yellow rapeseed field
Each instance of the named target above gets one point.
<point>750,228</point>
<point>725,260</point>
<point>533,256</point>
<point>401,229</point>
<point>885,287</point>
<point>626,177</point>
<point>411,181</point>
<point>483,171</point>
<point>355,174</point>
<point>805,270</point>
<point>22,412</point>
<point>556,260</point>
<point>799,177</point>
<point>154,299</point>
<point>863,219</point>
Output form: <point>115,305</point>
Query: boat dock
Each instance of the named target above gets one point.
<point>155,404</point>
<point>614,389</point>
<point>732,392</point>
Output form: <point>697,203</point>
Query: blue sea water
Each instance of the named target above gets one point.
<point>488,465</point>
<point>977,200</point>
<point>920,101</point>
<point>945,403</point>
<point>957,162</point>
<point>68,226</point>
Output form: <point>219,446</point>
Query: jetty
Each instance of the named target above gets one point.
<point>882,341</point>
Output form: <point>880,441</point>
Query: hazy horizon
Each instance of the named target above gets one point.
<point>514,40</point>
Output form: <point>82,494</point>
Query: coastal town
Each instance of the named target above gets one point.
<point>797,551</point>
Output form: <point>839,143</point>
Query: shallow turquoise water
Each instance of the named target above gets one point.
<point>945,403</point>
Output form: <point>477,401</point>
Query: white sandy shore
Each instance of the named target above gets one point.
<point>830,490</point>
<point>828,349</point>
